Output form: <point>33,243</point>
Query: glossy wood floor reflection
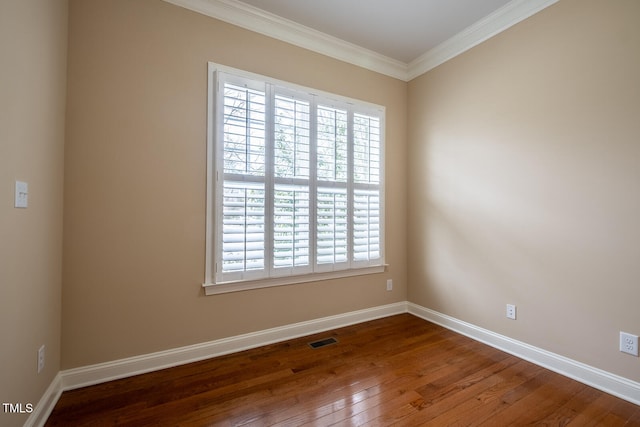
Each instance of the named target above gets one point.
<point>400,370</point>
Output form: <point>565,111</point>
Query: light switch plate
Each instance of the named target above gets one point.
<point>22,194</point>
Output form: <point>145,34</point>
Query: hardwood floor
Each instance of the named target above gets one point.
<point>399,370</point>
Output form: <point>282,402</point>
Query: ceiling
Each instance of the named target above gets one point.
<point>399,38</point>
<point>400,29</point>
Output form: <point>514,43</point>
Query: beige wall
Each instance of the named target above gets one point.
<point>135,182</point>
<point>522,162</point>
<point>524,178</point>
<point>33,44</point>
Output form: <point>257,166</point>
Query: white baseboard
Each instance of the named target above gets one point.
<point>594,377</point>
<point>103,372</point>
<point>47,402</point>
<point>95,374</point>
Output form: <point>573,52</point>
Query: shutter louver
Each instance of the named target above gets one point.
<point>332,226</point>
<point>243,226</point>
<point>332,144</point>
<point>292,145</point>
<point>291,226</point>
<point>244,131</point>
<point>366,225</point>
<point>366,149</point>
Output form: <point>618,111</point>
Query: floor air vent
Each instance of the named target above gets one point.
<point>322,343</point>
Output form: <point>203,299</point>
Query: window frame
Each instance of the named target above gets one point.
<point>214,282</point>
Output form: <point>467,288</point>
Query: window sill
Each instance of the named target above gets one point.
<point>223,288</point>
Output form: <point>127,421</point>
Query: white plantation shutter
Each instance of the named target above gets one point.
<point>366,196</point>
<point>243,220</point>
<point>332,214</point>
<point>292,153</point>
<point>297,183</point>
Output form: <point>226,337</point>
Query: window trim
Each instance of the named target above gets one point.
<point>210,285</point>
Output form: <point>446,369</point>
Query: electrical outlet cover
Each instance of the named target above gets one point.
<point>629,343</point>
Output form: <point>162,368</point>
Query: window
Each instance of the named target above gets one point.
<point>295,184</point>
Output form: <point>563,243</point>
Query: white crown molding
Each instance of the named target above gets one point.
<point>268,24</point>
<point>510,14</point>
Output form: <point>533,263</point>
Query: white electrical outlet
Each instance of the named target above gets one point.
<point>629,343</point>
<point>511,311</point>
<point>389,284</point>
<point>41,358</point>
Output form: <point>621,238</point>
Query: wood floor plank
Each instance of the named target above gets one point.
<point>568,412</point>
<point>330,400</point>
<point>546,399</point>
<point>607,410</point>
<point>483,403</point>
<point>399,370</point>
<point>464,394</point>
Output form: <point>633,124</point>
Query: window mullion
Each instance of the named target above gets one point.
<point>269,178</point>
<point>350,189</point>
<point>313,182</point>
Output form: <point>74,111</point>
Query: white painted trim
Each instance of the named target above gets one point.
<point>268,24</point>
<point>95,374</point>
<point>507,16</point>
<point>99,373</point>
<point>222,288</point>
<point>47,402</point>
<point>609,383</point>
<point>212,86</point>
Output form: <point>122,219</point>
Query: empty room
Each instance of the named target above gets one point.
<point>298,212</point>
